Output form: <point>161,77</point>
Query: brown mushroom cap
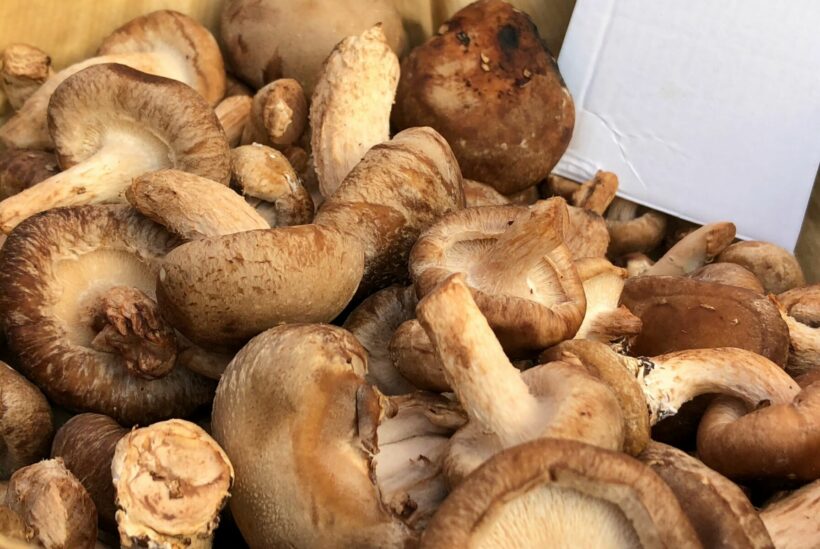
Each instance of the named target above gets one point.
<point>55,270</point>
<point>800,309</point>
<point>792,521</point>
<point>633,228</point>
<point>596,194</point>
<point>587,234</point>
<point>221,291</point>
<point>730,274</point>
<point>517,266</point>
<point>21,169</point>
<point>25,422</point>
<point>414,356</point>
<point>480,194</point>
<point>399,189</point>
<point>560,493</point>
<point>776,268</point>
<point>680,313</point>
<point>278,116</point>
<point>489,85</point>
<point>720,512</point>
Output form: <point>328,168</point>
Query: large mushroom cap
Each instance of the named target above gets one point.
<point>55,269</point>
<point>776,268</point>
<point>560,493</point>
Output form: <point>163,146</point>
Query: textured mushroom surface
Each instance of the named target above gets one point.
<point>278,116</point>
<point>632,228</point>
<point>776,268</point>
<point>792,520</point>
<point>23,69</point>
<point>800,309</point>
<point>21,169</point>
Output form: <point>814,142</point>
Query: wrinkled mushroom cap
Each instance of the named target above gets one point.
<point>776,268</point>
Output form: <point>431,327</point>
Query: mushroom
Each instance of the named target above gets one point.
<point>792,521</point>
<point>517,266</point>
<point>351,469</point>
<point>269,183</point>
<point>596,194</point>
<point>527,197</point>
<point>489,85</point>
<point>556,185</point>
<point>350,107</point>
<point>234,113</point>
<point>25,422</point>
<point>604,320</point>
<point>480,194</point>
<point>414,357</point>
<point>506,407</point>
<point>21,169</point>
<point>776,268</point>
<point>278,116</point>
<point>560,493</point>
<point>719,511</point>
<point>637,263</point>
<point>681,313</point>
<point>587,235</point>
<point>24,69</point>
<point>171,481</point>
<point>633,228</point>
<point>191,206</point>
<point>373,323</point>
<point>86,445</point>
<point>800,309</point>
<point>163,43</point>
<point>76,289</point>
<point>14,534</point>
<point>111,123</point>
<point>54,505</point>
<point>694,250</point>
<point>235,87</point>
<point>398,190</point>
<point>729,274</point>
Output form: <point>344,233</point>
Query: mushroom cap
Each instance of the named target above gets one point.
<point>489,85</point>
<point>25,422</point>
<point>415,358</point>
<point>604,320</point>
<point>222,291</point>
<point>681,313</point>
<point>192,206</point>
<point>302,479</point>
<point>23,69</point>
<point>234,113</point>
<point>800,309</point>
<point>630,232</point>
<point>596,194</point>
<point>268,39</point>
<point>169,31</point>
<point>480,194</point>
<point>560,493</point>
<point>52,267</point>
<point>776,268</point>
<point>718,510</point>
<point>694,250</point>
<point>792,520</point>
<point>279,114</point>
<point>730,274</point>
<point>22,168</point>
<point>373,323</point>
<point>111,101</point>
<point>587,234</point>
<point>532,301</point>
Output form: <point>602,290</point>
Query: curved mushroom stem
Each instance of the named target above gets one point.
<point>487,384</point>
<point>129,323</point>
<point>694,250</point>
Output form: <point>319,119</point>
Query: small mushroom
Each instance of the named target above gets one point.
<point>86,445</point>
<point>516,263</point>
<point>792,521</point>
<point>54,505</point>
<point>605,320</point>
<point>800,309</point>
<point>719,511</point>
<point>694,250</point>
<point>269,183</point>
<point>729,274</point>
<point>560,493</point>
<point>234,113</point>
<point>278,116</point>
<point>25,422</point>
<point>24,69</point>
<point>587,235</point>
<point>191,206</point>
<point>76,301</point>
<point>21,169</point>
<point>414,356</point>
<point>776,268</point>
<point>398,190</point>
<point>351,469</point>
<point>350,107</point>
<point>526,197</point>
<point>480,194</point>
<point>506,407</point>
<point>163,43</point>
<point>111,123</point>
<point>596,194</point>
<point>633,228</point>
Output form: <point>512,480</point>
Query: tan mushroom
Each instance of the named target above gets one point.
<point>694,250</point>
<point>399,189</point>
<point>76,299</point>
<point>633,228</point>
<point>526,197</point>
<point>792,521</point>
<point>14,534</point>
<point>236,87</point>
<point>21,169</point>
<point>480,194</point>
<point>560,493</point>
<point>24,69</point>
<point>25,422</point>
<point>556,185</point>
<point>776,268</point>
<point>587,234</point>
<point>637,263</point>
<point>279,115</point>
<point>517,266</point>
<point>506,407</point>
<point>414,356</point>
<point>111,123</point>
<point>171,480</point>
<point>164,43</point>
<point>54,505</point>
<point>605,320</point>
<point>322,459</point>
<point>729,274</point>
<point>800,309</point>
<point>234,113</point>
<point>596,194</point>
<point>191,206</point>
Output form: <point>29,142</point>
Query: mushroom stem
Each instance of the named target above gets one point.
<point>694,250</point>
<point>487,384</point>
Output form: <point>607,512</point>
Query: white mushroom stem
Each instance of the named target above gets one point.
<point>694,250</point>
<point>486,383</point>
<point>670,380</point>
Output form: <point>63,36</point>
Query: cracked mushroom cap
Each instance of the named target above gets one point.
<point>681,313</point>
<point>321,458</point>
<point>800,309</point>
<point>76,289</point>
<point>719,511</point>
<point>560,493</point>
<point>776,268</point>
<point>792,520</point>
<point>488,84</point>
<point>517,266</point>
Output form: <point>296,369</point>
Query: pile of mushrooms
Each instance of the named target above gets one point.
<point>335,297</point>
